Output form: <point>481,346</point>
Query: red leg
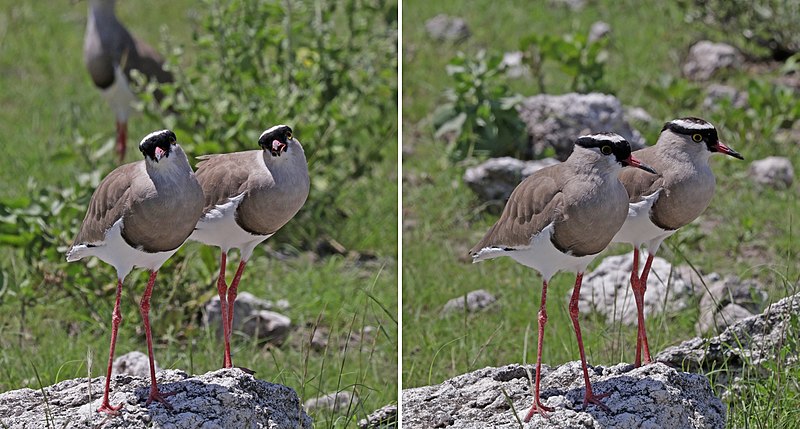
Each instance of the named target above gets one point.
<point>122,138</point>
<point>144,309</point>
<point>222,289</point>
<point>643,279</point>
<point>638,296</point>
<point>537,407</point>
<point>116,319</point>
<point>573,313</point>
<point>231,300</point>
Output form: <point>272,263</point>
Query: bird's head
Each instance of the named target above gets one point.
<point>609,149</point>
<point>277,140</point>
<point>158,145</point>
<point>696,136</point>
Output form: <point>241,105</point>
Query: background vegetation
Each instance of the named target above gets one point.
<point>328,69</point>
<point>747,231</point>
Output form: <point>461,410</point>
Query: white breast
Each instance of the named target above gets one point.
<point>119,96</point>
<point>638,229</point>
<point>219,228</point>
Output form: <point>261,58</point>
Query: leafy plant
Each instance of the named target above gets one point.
<point>479,115</point>
<point>761,24</point>
<point>771,108</point>
<point>328,69</point>
<point>677,93</point>
<point>582,60</point>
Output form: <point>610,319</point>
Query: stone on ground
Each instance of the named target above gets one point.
<point>753,341</point>
<point>496,178</point>
<point>252,316</point>
<point>607,289</point>
<point>707,58</point>
<point>134,363</point>
<point>226,398</point>
<point>555,121</point>
<point>653,396</point>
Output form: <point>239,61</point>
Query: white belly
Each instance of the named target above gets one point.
<point>116,252</point>
<point>638,229</point>
<point>541,255</point>
<point>119,96</point>
<point>219,228</point>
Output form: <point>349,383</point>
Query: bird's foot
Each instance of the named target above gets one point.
<point>538,408</point>
<point>593,399</point>
<point>112,410</point>
<point>155,395</point>
<point>646,360</point>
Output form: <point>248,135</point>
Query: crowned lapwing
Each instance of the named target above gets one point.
<point>661,204</point>
<point>139,216</point>
<point>559,219</point>
<point>248,197</point>
<point>110,53</point>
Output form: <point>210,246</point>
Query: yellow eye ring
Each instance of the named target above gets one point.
<point>697,137</point>
<point>606,150</point>
<point>289,136</point>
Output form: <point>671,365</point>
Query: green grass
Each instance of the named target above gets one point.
<point>50,332</point>
<point>753,233</point>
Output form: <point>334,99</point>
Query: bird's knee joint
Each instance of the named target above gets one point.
<point>573,310</point>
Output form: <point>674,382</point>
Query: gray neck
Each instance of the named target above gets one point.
<point>103,5</point>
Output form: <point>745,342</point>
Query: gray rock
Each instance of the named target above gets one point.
<point>752,342</point>
<point>449,28</point>
<point>706,58</point>
<point>253,317</point>
<point>512,62</point>
<point>607,289</point>
<point>720,319</point>
<point>226,398</point>
<point>774,171</point>
<point>337,401</point>
<point>134,363</point>
<point>558,120</point>
<point>475,301</point>
<point>382,418</point>
<point>599,30</point>
<point>716,92</point>
<point>637,114</point>
<point>653,396</point>
<point>319,341</point>
<point>727,301</point>
<point>495,179</point>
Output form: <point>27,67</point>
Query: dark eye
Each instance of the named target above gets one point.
<point>606,150</point>
<point>697,137</point>
<point>289,136</point>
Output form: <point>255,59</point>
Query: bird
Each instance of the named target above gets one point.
<point>660,205</point>
<point>110,53</point>
<point>559,219</point>
<point>249,196</point>
<point>139,216</point>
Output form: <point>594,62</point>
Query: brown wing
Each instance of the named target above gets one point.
<point>534,204</point>
<point>148,61</point>
<point>639,183</point>
<point>223,176</point>
<point>110,201</point>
